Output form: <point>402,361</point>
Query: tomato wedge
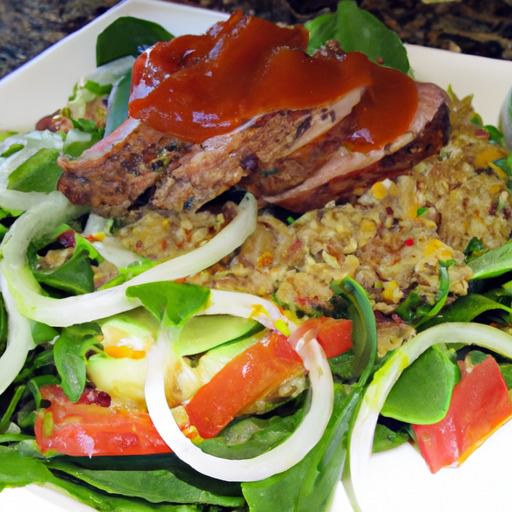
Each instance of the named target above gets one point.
<point>246,378</point>
<point>480,405</point>
<point>333,334</point>
<point>91,427</point>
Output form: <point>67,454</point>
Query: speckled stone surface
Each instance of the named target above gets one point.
<point>27,27</point>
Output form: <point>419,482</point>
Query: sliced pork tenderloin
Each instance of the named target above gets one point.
<point>136,160</point>
<point>327,170</point>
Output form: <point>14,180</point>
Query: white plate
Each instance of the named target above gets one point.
<point>399,481</point>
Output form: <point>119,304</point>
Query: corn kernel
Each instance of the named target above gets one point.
<point>379,190</point>
<point>392,292</point>
<point>434,245</point>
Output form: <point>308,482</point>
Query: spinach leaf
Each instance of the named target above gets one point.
<point>253,436</point>
<point>170,302</point>
<point>423,392</point>
<point>128,35</point>
<point>387,438</point>
<point>364,327</point>
<point>129,272</point>
<point>75,275</point>
<point>467,308</point>
<point>18,470</point>
<point>152,485</point>
<point>358,30</point>
<point>69,353</point>
<point>309,485</point>
<point>492,263</point>
<point>39,173</point>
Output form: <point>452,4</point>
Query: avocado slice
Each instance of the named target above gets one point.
<point>202,333</point>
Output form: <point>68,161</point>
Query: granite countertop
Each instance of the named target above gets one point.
<point>27,27</point>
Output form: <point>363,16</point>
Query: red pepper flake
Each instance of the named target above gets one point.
<point>409,242</point>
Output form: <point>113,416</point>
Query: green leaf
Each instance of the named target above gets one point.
<point>442,293</point>
<point>128,36</point>
<point>171,303</point>
<point>129,272</point>
<point>506,371</point>
<point>75,275</point>
<point>359,30</point>
<point>118,104</point>
<point>474,248</point>
<point>42,332</point>
<point>154,486</point>
<point>39,173</point>
<point>386,438</point>
<point>467,308</point>
<point>423,392</point>
<point>415,310</point>
<point>17,470</point>
<point>253,436</point>
<point>318,473</point>
<point>492,263</point>
<point>364,327</point>
<point>69,353</point>
<point>3,325</point>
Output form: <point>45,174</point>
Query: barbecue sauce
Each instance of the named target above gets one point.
<point>197,87</point>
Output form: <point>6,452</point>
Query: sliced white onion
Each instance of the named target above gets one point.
<point>275,461</point>
<point>246,305</point>
<point>32,303</point>
<point>361,442</point>
<point>19,340</point>
<point>111,248</point>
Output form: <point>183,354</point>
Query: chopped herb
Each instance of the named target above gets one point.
<point>474,248</point>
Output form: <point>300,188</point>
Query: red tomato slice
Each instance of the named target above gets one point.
<point>480,405</point>
<point>333,334</point>
<point>91,427</point>
<point>245,379</point>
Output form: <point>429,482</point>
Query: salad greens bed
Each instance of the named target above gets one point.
<point>39,352</point>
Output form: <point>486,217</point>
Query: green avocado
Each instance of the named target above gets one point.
<point>202,333</point>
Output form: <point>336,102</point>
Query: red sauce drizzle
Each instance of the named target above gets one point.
<point>196,87</point>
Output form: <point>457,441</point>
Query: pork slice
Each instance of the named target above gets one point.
<point>226,159</point>
<point>137,161</point>
<point>326,170</point>
<point>115,172</point>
